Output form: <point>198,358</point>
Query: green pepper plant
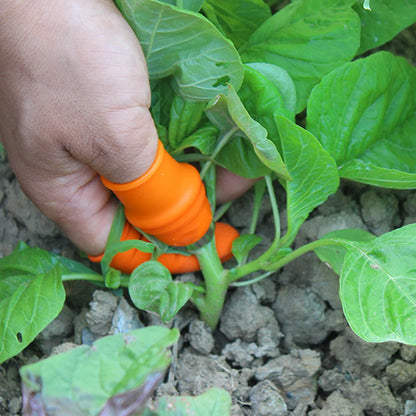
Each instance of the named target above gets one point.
<point>234,104</point>
<point>300,96</point>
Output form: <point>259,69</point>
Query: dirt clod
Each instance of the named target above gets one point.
<point>244,316</point>
<point>295,374</point>
<point>400,374</point>
<point>337,404</point>
<point>379,211</point>
<point>200,337</point>
<point>266,400</point>
<point>301,313</point>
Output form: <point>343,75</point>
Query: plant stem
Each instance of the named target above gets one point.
<point>210,303</point>
<point>264,262</point>
<point>222,141</point>
<point>305,249</point>
<point>93,278</point>
<point>275,209</point>
<point>259,189</point>
<point>251,281</point>
<point>221,211</point>
<point>244,269</point>
<point>191,157</point>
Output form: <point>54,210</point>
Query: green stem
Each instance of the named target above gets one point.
<point>245,268</point>
<point>264,261</point>
<point>191,157</point>
<point>222,141</point>
<point>92,277</point>
<point>221,211</point>
<point>251,281</point>
<point>275,210</point>
<point>303,250</point>
<point>259,189</point>
<point>211,302</point>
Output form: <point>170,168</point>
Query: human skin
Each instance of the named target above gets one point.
<point>74,105</point>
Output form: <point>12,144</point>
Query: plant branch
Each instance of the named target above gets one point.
<point>192,157</point>
<point>211,302</point>
<point>91,277</point>
<point>275,210</point>
<point>252,281</point>
<point>222,141</point>
<point>265,261</point>
<point>222,210</point>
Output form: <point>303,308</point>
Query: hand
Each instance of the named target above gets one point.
<point>230,186</point>
<point>74,100</point>
<point>74,104</point>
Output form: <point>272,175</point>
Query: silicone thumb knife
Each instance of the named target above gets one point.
<point>127,261</point>
<point>169,202</point>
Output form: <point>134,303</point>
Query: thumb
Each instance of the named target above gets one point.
<point>124,150</point>
<point>87,217</point>
<point>64,180</point>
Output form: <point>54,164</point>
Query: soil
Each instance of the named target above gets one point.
<point>282,347</point>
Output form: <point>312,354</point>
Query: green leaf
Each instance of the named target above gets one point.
<point>183,45</point>
<point>162,98</point>
<point>307,38</point>
<point>151,288</point>
<point>174,297</point>
<point>384,21</point>
<point>26,261</point>
<point>72,266</point>
<point>114,245</point>
<point>378,287</point>
<point>29,304</point>
<point>262,99</point>
<point>243,245</point>
<point>281,80</point>
<point>313,171</point>
<point>121,247</point>
<point>204,139</point>
<point>363,114</point>
<point>184,119</point>
<point>2,153</point>
<point>21,265</point>
<point>210,182</point>
<point>334,255</point>
<point>31,294</point>
<point>214,402</point>
<point>117,226</point>
<point>228,113</point>
<point>272,3</point>
<point>193,5</point>
<point>112,279</point>
<point>237,19</point>
<point>114,376</point>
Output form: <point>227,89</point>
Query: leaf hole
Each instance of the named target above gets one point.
<point>221,82</point>
<point>224,64</point>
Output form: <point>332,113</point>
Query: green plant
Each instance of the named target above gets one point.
<point>225,92</point>
<point>84,381</point>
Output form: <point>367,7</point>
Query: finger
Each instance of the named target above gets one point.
<point>231,186</point>
<point>121,152</point>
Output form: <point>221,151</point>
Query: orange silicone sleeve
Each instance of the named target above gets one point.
<point>168,201</point>
<point>127,261</point>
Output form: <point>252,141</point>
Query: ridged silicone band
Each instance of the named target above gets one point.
<point>168,201</point>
